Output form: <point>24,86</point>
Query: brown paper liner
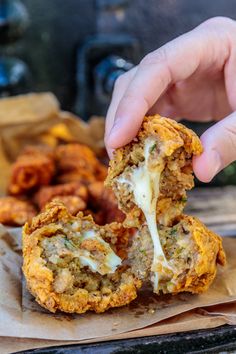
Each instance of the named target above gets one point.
<point>24,324</point>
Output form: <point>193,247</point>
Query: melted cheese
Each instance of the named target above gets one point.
<point>111,262</point>
<point>145,186</point>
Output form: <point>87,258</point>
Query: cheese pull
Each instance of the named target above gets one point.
<point>145,185</point>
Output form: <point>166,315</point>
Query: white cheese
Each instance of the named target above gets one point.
<point>111,261</point>
<point>145,181</point>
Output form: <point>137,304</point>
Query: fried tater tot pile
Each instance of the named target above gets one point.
<point>149,177</point>
<point>76,162</point>
<point>70,173</point>
<point>73,265</point>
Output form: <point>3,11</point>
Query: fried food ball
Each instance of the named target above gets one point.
<point>77,162</point>
<point>34,167</point>
<point>159,162</point>
<point>150,177</point>
<point>103,204</point>
<point>192,253</point>
<point>15,212</point>
<point>73,265</point>
<point>48,193</point>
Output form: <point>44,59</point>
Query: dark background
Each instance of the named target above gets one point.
<point>58,27</point>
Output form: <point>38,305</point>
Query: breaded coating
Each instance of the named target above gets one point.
<point>15,212</point>
<point>73,203</point>
<point>103,204</point>
<point>77,162</point>
<point>73,265</point>
<point>33,168</point>
<point>191,250</point>
<point>169,147</point>
<point>47,193</point>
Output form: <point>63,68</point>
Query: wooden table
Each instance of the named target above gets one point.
<point>216,207</point>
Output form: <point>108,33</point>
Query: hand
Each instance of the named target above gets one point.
<point>194,77</point>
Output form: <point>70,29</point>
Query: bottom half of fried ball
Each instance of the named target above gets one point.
<point>192,253</point>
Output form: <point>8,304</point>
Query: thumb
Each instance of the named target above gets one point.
<point>219,143</point>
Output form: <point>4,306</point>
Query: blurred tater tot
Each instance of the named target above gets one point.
<point>103,203</point>
<point>47,193</point>
<point>35,167</point>
<point>15,212</point>
<point>77,162</point>
<point>75,176</point>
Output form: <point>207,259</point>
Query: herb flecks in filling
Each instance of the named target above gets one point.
<point>144,181</point>
<point>89,248</point>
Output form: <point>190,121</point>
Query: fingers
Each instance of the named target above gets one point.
<point>219,143</point>
<point>120,87</point>
<point>199,49</point>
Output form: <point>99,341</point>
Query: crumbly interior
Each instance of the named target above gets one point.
<point>78,261</point>
<point>191,251</point>
<point>176,177</point>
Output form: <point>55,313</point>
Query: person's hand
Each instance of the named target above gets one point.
<point>193,77</point>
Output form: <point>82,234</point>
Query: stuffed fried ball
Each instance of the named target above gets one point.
<point>149,177</point>
<point>73,265</point>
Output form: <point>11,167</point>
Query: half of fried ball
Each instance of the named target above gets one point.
<point>159,162</point>
<point>192,253</point>
<point>73,265</point>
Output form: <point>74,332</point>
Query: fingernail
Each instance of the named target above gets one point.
<point>113,131</point>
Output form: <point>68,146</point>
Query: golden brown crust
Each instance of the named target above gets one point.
<point>41,279</point>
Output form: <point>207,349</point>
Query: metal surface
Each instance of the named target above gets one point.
<point>90,98</point>
<point>58,27</point>
<point>218,340</point>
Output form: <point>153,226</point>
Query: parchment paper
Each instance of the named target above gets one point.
<point>21,317</point>
<point>192,320</point>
